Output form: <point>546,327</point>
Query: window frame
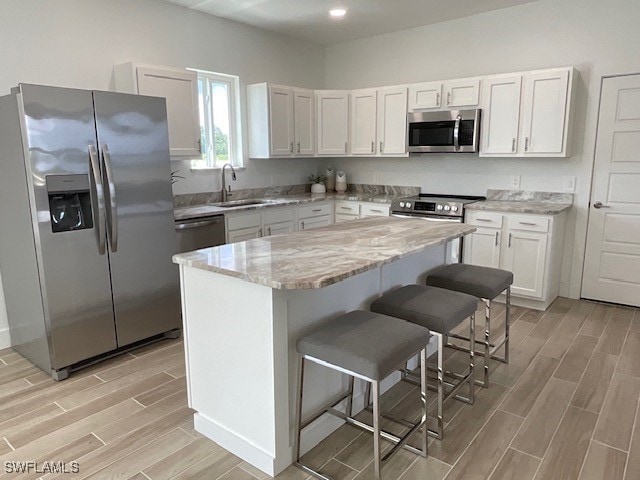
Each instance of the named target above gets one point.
<point>207,161</point>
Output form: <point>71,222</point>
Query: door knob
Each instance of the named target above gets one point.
<point>600,205</point>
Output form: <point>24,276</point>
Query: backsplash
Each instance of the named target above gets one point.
<point>203,198</point>
<point>528,196</point>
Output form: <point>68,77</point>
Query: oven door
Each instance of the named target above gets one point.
<point>454,247</point>
<point>455,131</point>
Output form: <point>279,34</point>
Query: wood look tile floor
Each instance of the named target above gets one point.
<point>566,407</point>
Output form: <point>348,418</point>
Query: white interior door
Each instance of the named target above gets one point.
<point>612,263</point>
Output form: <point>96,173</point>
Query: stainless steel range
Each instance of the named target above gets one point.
<point>436,208</point>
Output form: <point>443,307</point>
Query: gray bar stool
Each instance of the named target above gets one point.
<point>368,346</point>
<point>486,284</point>
<point>440,311</point>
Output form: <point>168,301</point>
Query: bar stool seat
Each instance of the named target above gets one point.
<point>437,309</point>
<point>481,282</point>
<point>440,311</point>
<point>487,284</point>
<point>368,346</point>
<point>366,343</point>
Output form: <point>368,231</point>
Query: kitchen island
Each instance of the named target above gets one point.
<point>246,304</point>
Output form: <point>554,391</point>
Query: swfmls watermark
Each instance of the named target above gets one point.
<point>41,468</point>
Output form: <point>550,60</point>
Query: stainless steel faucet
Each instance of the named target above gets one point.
<point>225,194</point>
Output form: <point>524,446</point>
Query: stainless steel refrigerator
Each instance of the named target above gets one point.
<point>86,224</point>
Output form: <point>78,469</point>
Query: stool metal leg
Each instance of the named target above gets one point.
<point>299,409</point>
<point>487,341</point>
<point>423,395</point>
<point>440,419</point>
<point>472,349</point>
<point>506,325</point>
<point>377,452</point>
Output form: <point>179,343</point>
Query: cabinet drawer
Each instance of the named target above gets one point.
<point>342,217</point>
<point>348,208</point>
<point>314,222</point>
<point>235,222</point>
<point>527,223</point>
<point>375,211</point>
<point>484,219</point>
<point>277,215</point>
<point>314,210</point>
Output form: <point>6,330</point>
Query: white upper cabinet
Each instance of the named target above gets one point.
<point>528,114</point>
<point>363,122</point>
<point>425,96</point>
<point>462,93</point>
<point>501,114</point>
<point>281,120</point>
<point>392,121</point>
<point>332,122</point>
<point>545,112</point>
<point>304,121</point>
<point>180,88</point>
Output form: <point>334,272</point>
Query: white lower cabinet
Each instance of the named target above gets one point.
<point>278,228</point>
<point>528,245</point>
<point>243,234</point>
<point>314,222</point>
<point>343,217</point>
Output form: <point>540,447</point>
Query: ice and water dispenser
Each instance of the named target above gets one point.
<point>69,202</point>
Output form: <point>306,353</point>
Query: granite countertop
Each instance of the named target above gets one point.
<point>324,256</point>
<point>521,201</point>
<point>541,208</point>
<point>199,211</point>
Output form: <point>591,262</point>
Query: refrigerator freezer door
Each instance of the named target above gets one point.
<point>74,276</point>
<point>134,149</point>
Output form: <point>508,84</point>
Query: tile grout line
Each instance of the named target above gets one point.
<point>60,406</point>
<point>609,446</point>
<point>96,435</point>
<point>8,443</point>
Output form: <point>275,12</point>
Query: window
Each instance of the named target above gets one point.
<point>219,120</point>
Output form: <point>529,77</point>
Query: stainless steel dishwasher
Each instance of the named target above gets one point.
<point>199,233</point>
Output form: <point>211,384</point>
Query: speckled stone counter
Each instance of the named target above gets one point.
<point>199,211</point>
<point>320,257</point>
<point>519,201</point>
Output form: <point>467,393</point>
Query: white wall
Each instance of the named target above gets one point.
<point>76,43</point>
<point>598,37</point>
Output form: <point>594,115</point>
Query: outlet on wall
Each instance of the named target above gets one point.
<point>376,178</point>
<point>569,184</point>
<point>515,181</point>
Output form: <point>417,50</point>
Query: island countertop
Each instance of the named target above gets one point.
<point>317,258</point>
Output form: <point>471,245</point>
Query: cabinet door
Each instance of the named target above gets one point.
<point>462,93</point>
<point>363,122</point>
<point>244,234</point>
<point>501,115</point>
<point>315,222</point>
<point>545,109</point>
<point>392,121</point>
<point>332,122</point>
<point>343,217</point>
<point>525,255</point>
<point>281,120</point>
<point>279,228</point>
<point>303,122</point>
<point>482,247</point>
<point>180,89</point>
<point>425,96</point>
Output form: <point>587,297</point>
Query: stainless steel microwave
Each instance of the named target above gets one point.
<point>453,131</point>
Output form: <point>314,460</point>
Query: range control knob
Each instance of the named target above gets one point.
<point>408,204</point>
<point>454,208</point>
<point>401,204</point>
<point>447,208</point>
<point>439,207</point>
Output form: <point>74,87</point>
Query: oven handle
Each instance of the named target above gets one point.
<point>429,218</point>
<point>456,133</point>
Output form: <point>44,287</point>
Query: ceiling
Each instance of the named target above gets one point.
<point>309,19</point>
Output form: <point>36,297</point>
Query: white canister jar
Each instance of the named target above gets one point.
<point>341,182</point>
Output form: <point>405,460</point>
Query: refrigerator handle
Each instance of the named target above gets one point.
<point>97,183</point>
<point>113,210</point>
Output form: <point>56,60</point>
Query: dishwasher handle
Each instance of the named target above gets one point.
<point>203,223</point>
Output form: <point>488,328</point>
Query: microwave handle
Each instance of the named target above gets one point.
<point>456,133</point>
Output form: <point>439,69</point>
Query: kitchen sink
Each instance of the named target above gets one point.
<point>243,203</point>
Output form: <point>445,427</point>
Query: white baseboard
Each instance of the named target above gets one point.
<point>5,339</point>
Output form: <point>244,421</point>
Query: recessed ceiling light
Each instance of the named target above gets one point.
<point>338,12</point>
